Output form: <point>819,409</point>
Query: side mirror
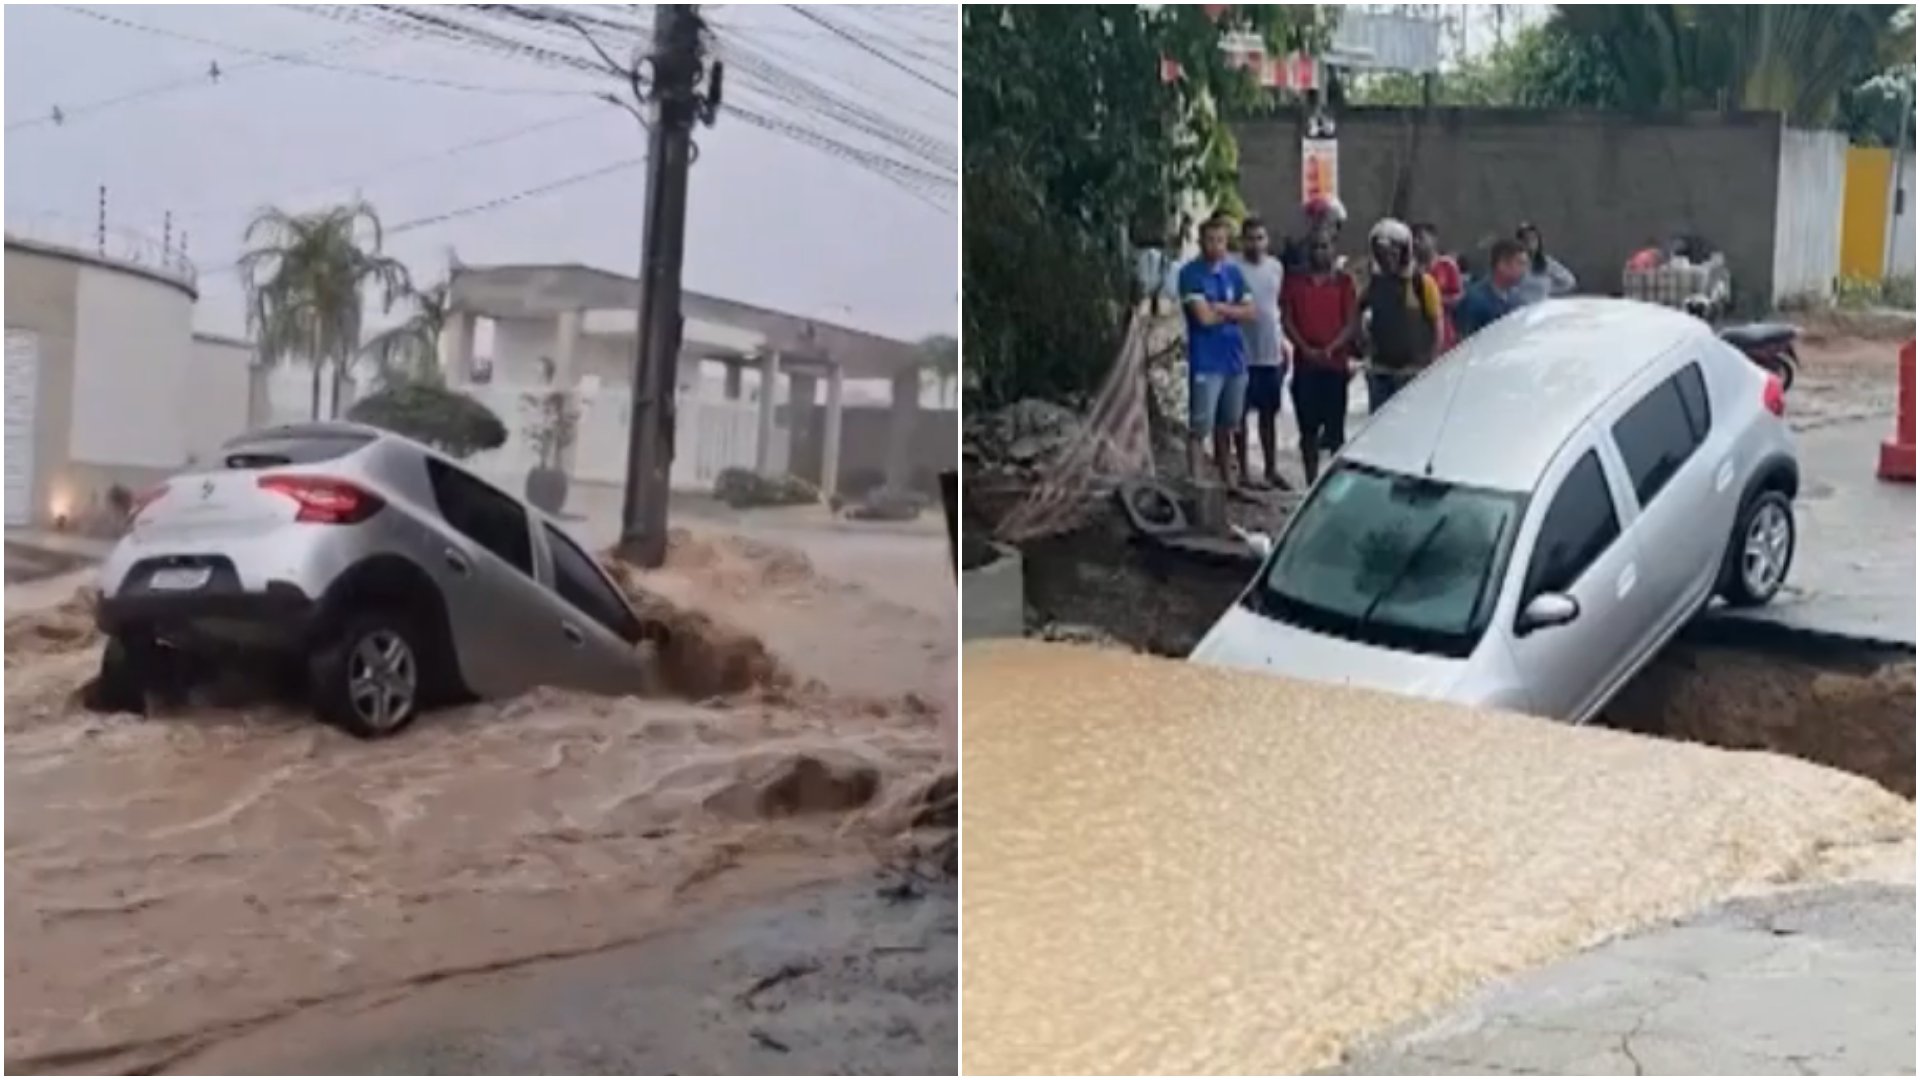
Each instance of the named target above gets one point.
<point>1261,544</point>
<point>1547,610</point>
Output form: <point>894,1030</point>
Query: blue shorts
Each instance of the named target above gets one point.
<point>1215,401</point>
<point>1264,383</point>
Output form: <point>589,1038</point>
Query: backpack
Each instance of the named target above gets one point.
<point>1403,328</point>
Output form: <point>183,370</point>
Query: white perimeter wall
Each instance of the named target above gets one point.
<point>1903,225</point>
<point>221,374</point>
<point>134,400</point>
<point>1807,215</point>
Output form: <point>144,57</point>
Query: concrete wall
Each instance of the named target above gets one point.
<point>863,446</point>
<point>1599,185</point>
<point>220,370</point>
<point>1809,213</point>
<point>116,402</point>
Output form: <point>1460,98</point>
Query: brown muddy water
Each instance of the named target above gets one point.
<point>175,881</point>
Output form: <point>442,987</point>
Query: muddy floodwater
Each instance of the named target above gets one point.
<point>177,881</point>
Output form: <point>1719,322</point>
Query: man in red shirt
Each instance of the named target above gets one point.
<point>1319,310</point>
<point>1445,273</point>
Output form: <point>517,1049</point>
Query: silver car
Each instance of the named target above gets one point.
<point>1528,523</point>
<point>389,577</point>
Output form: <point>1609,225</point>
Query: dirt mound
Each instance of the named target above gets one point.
<point>1859,720</point>
<point>1179,869</point>
<point>67,627</point>
<point>699,656</point>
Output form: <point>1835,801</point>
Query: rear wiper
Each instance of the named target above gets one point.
<point>1406,568</point>
<point>257,461</point>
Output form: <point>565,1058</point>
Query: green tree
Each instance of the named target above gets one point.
<point>1074,149</point>
<point>306,276</point>
<point>1797,59</point>
<point>455,423</point>
<point>410,351</point>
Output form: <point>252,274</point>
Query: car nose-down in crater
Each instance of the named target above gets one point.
<point>1530,521</point>
<point>381,574</point>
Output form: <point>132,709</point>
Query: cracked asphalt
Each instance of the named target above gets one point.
<point>1809,983</point>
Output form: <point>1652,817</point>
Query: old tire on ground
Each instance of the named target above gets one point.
<point>371,678</point>
<point>1761,550</point>
<point>121,686</point>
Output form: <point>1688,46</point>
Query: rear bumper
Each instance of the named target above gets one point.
<point>281,614</point>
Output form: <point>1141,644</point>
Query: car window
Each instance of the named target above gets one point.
<point>1579,525</point>
<point>1692,384</point>
<point>482,514</point>
<point>579,582</point>
<point>267,451</point>
<point>1656,437</point>
<point>1401,561</point>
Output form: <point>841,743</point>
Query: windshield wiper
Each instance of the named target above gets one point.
<point>1406,568</point>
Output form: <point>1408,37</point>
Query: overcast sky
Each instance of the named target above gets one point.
<point>773,222</point>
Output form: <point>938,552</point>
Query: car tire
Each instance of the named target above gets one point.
<point>121,686</point>
<point>1760,553</point>
<point>372,677</point>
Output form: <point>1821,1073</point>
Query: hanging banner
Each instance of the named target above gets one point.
<point>1319,169</point>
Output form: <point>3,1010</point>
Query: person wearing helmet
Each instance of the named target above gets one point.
<point>1405,319</point>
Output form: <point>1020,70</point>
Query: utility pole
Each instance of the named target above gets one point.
<point>676,105</point>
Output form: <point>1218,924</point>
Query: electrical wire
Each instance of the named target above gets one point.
<point>297,59</point>
<point>487,206</point>
<point>402,164</point>
<point>860,43</point>
<point>59,116</point>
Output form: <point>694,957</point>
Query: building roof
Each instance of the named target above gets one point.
<point>1496,410</point>
<point>537,291</point>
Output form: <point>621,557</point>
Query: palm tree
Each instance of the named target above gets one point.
<point>409,352</point>
<point>940,358</point>
<point>306,276</point>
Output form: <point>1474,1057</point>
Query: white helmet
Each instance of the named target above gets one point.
<point>1392,231</point>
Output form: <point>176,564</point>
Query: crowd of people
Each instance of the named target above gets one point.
<point>1262,327</point>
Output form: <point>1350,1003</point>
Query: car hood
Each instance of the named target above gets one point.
<point>1252,642</point>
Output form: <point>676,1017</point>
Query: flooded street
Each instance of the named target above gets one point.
<point>178,881</point>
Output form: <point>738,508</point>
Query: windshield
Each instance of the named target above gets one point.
<point>1399,561</point>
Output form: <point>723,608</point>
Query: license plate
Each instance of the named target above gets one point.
<point>179,578</point>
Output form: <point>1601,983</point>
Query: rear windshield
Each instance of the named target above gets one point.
<point>1398,561</point>
<point>268,451</point>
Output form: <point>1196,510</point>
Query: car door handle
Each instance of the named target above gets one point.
<point>573,634</point>
<point>456,562</point>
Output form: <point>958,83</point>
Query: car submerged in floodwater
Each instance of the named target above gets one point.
<point>387,578</point>
<point>1527,524</point>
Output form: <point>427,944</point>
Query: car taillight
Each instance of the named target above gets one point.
<point>324,500</point>
<point>145,499</point>
<point>1774,397</point>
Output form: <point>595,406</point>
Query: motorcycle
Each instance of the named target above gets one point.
<point>1769,345</point>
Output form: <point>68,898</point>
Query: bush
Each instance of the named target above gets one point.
<point>1864,292</point>
<point>447,420</point>
<point>745,489</point>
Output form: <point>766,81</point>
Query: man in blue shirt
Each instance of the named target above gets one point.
<point>1489,299</point>
<point>1216,300</point>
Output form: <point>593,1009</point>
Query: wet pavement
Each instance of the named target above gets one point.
<point>1812,983</point>
<point>1852,574</point>
<point>859,977</point>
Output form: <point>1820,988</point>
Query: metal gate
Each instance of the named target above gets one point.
<point>22,397</point>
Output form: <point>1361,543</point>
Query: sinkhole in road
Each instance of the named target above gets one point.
<point>1842,703</point>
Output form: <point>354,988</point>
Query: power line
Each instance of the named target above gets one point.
<point>402,164</point>
<point>211,77</point>
<point>297,59</point>
<point>489,205</point>
<point>864,46</point>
